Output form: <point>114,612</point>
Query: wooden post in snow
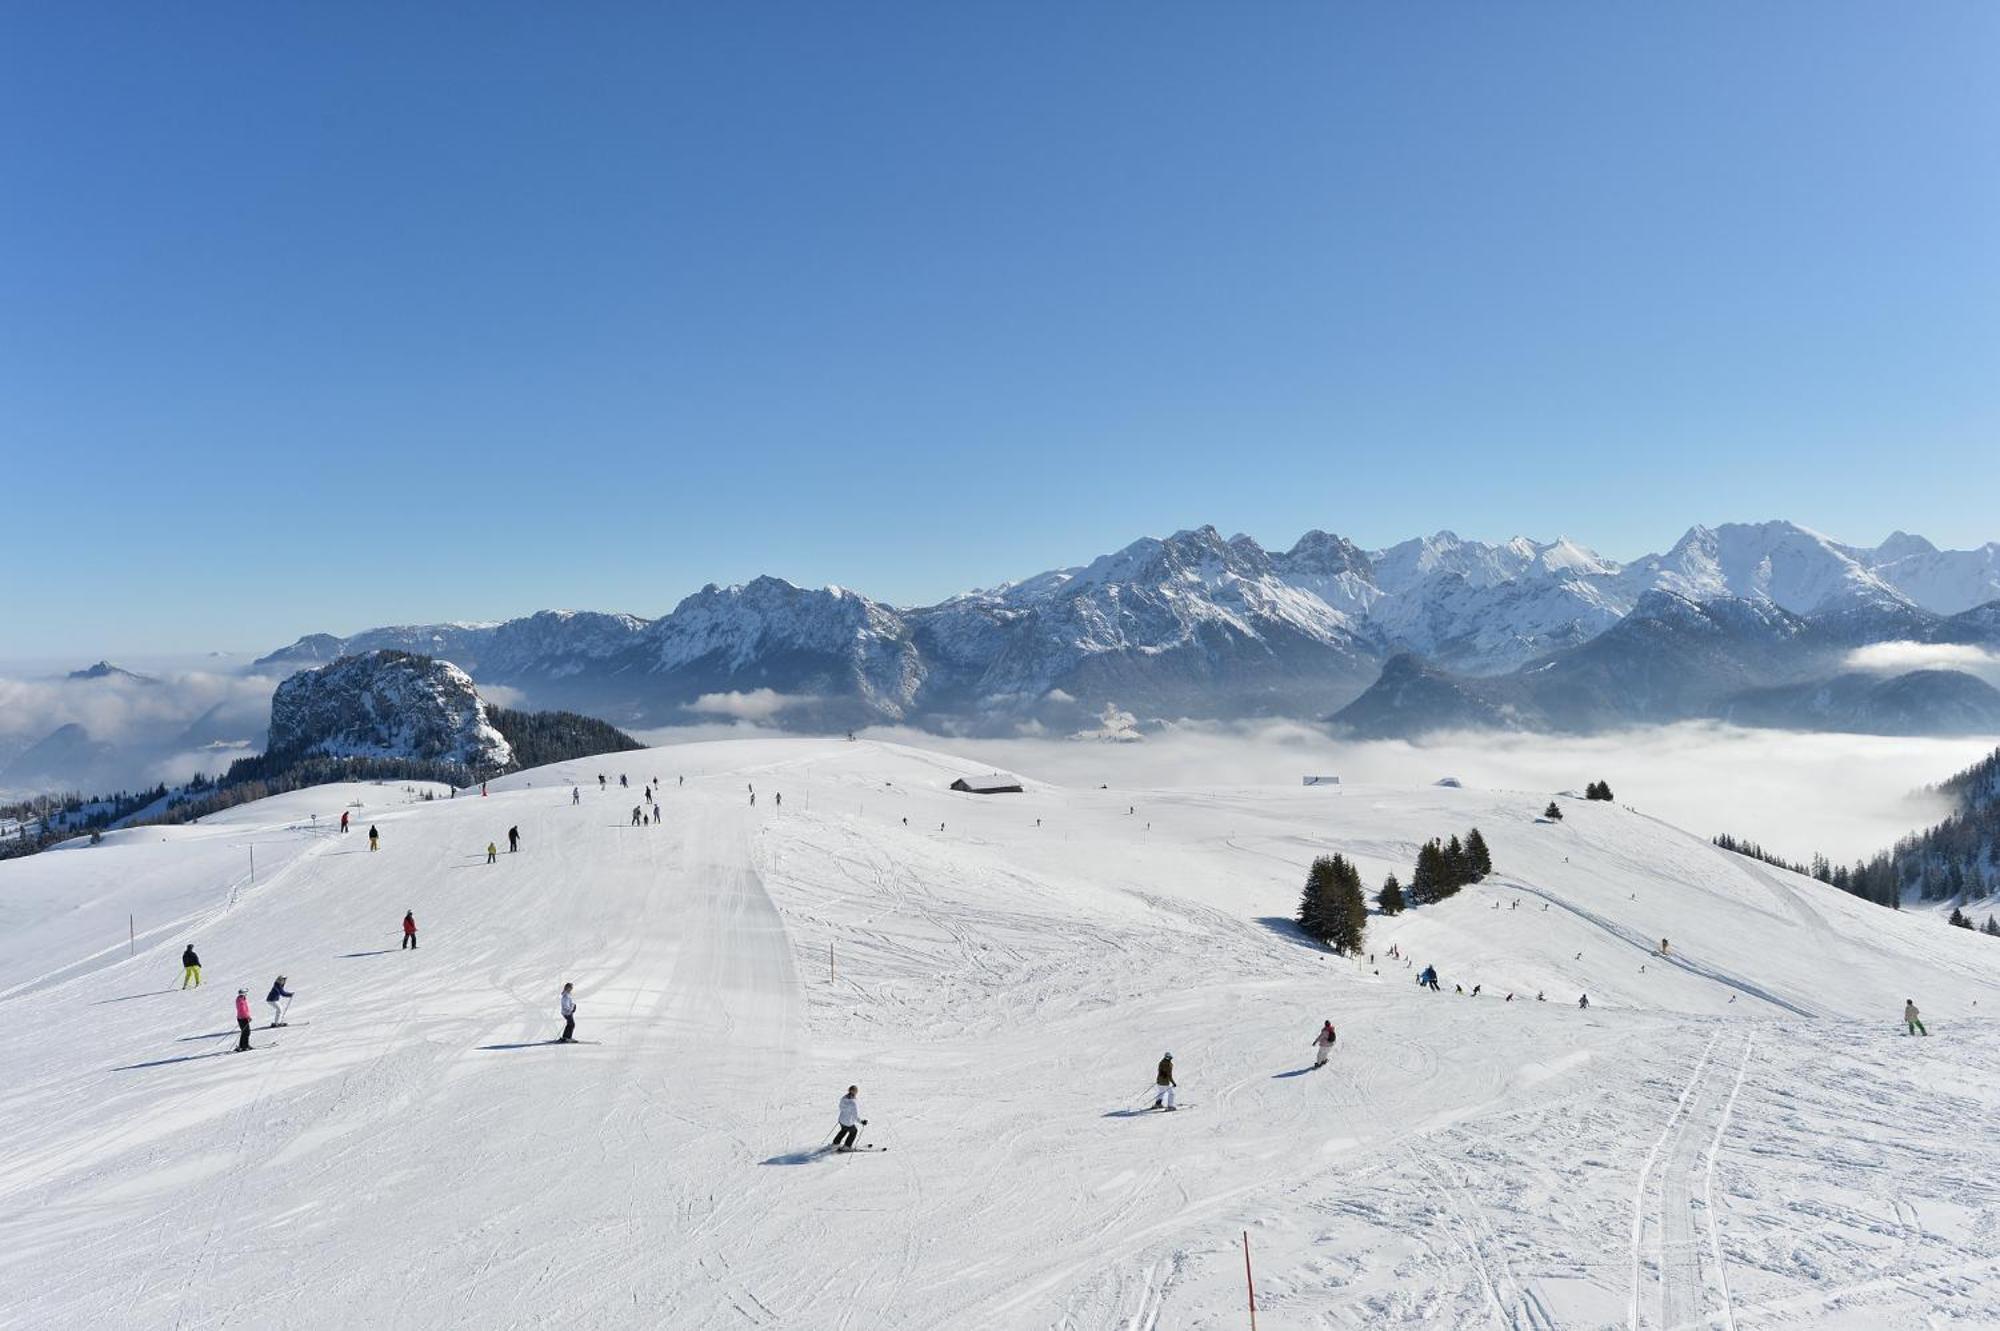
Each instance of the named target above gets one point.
<point>1248,1283</point>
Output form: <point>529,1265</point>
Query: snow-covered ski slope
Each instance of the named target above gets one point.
<point>1737,1135</point>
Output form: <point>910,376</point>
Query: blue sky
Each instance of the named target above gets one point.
<point>318,317</point>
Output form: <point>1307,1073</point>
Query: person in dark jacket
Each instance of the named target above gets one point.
<point>374,839</point>
<point>275,997</point>
<point>409,929</point>
<point>190,968</point>
<point>513,839</point>
<point>1165,1085</point>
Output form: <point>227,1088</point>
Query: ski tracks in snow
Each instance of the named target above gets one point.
<point>1675,1291</point>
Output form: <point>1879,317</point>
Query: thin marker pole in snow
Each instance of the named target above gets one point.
<point>131,937</point>
<point>1248,1283</point>
<point>253,866</point>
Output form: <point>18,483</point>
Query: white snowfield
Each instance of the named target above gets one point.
<point>1735,1135</point>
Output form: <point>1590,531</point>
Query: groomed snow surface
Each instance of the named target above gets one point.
<point>1738,1135</point>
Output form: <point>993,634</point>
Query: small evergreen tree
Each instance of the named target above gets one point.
<point>1553,813</point>
<point>1351,910</point>
<point>1390,898</point>
<point>1478,858</point>
<point>1992,924</point>
<point>1597,790</point>
<point>1958,918</point>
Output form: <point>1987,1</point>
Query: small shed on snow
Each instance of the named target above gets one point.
<point>995,784</point>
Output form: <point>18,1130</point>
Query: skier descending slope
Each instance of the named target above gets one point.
<point>568,1006</point>
<point>1163,1097</point>
<point>190,968</point>
<point>513,839</point>
<point>1912,1023</point>
<point>274,998</point>
<point>410,929</point>
<point>492,853</point>
<point>242,1020</point>
<point>374,839</point>
<point>1322,1043</point>
<point>851,1121</point>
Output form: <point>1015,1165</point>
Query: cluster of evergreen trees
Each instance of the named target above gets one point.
<point>539,738</point>
<point>48,819</point>
<point>1964,921</point>
<point>1597,790</point>
<point>1332,908</point>
<point>1953,860</point>
<point>1442,868</point>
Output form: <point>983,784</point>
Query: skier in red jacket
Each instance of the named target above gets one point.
<point>243,1019</point>
<point>409,929</point>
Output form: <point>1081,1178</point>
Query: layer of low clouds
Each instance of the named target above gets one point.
<point>117,710</point>
<point>1893,658</point>
<point>753,705</point>
<point>1843,795</point>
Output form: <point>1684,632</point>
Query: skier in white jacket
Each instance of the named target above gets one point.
<point>851,1121</point>
<point>1322,1043</point>
<point>568,1016</point>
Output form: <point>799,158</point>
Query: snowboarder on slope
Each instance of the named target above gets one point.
<point>242,1020</point>
<point>409,929</point>
<point>575,795</point>
<point>1583,1000</point>
<point>492,853</point>
<point>513,839</point>
<point>374,838</point>
<point>1165,1084</point>
<point>190,968</point>
<point>635,815</point>
<point>851,1121</point>
<point>278,992</point>
<point>1912,1022</point>
<point>1323,1042</point>
<point>343,822</point>
<point>568,1015</point>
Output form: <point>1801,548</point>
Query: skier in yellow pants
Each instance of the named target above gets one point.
<point>190,968</point>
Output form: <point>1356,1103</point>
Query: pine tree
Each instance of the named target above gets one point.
<point>1457,871</point>
<point>1553,813</point>
<point>1477,856</point>
<point>1992,924</point>
<point>1427,880</point>
<point>1958,918</point>
<point>1332,908</point>
<point>1316,903</point>
<point>1390,898</point>
<point>1351,910</point>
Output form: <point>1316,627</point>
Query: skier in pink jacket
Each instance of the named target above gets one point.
<point>243,1019</point>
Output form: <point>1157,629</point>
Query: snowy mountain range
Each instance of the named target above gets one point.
<point>1198,625</point>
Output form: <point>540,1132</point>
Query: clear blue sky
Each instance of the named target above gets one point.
<point>318,317</point>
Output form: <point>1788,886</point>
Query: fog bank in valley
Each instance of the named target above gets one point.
<point>1843,795</point>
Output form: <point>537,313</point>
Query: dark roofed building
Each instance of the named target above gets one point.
<point>995,784</point>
